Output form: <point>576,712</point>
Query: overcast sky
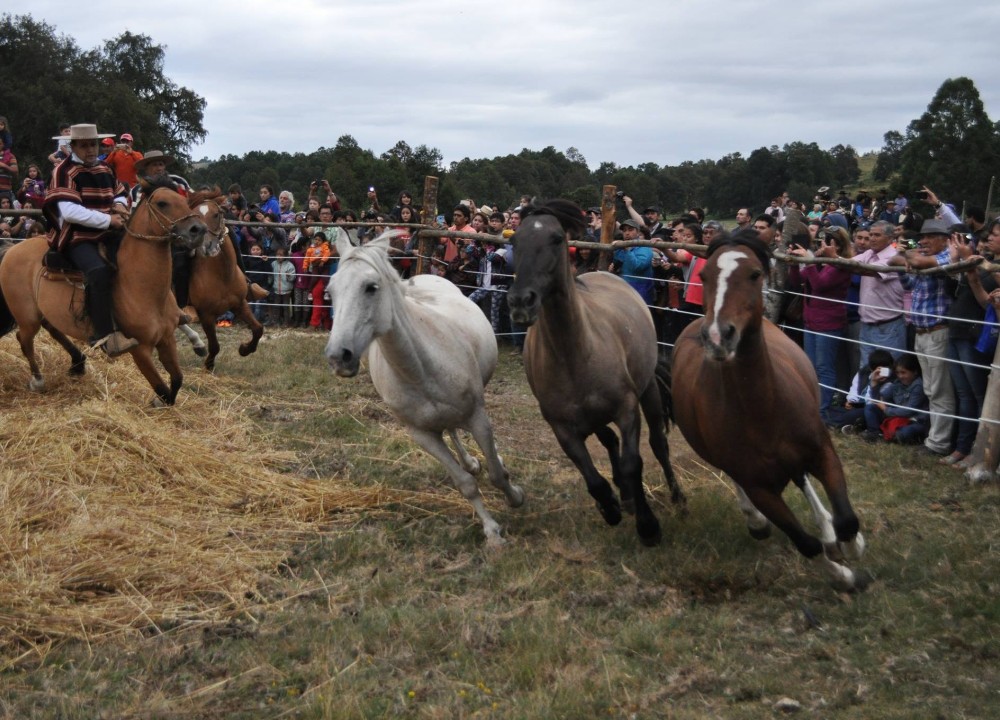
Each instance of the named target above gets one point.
<point>627,82</point>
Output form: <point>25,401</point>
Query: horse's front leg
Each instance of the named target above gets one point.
<point>830,473</point>
<point>575,448</point>
<point>773,506</point>
<point>434,444</point>
<point>197,344</point>
<point>245,314</point>
<point>166,351</point>
<point>482,431</point>
<point>646,523</point>
<point>142,355</point>
<point>609,439</point>
<point>212,338</point>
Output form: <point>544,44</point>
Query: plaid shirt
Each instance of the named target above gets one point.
<point>930,296</point>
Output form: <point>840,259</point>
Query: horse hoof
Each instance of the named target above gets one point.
<point>474,467</point>
<point>611,513</point>
<point>158,403</point>
<point>762,533</point>
<point>650,534</point>
<point>854,549</point>
<point>200,351</point>
<point>78,369</point>
<point>862,579</point>
<point>36,384</point>
<point>515,498</point>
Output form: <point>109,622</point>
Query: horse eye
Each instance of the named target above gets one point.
<point>755,274</point>
<point>371,288</point>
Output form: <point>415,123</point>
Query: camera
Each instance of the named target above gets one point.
<point>371,188</point>
<point>620,194</point>
<point>883,372</point>
<point>921,194</point>
<point>253,209</point>
<point>319,183</point>
<point>968,237</point>
<point>910,243</point>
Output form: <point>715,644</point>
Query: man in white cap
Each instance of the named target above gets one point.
<point>86,205</point>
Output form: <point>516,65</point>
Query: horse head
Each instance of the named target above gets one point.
<point>541,259</point>
<point>733,279</point>
<point>163,214</point>
<point>361,292</point>
<point>208,203</point>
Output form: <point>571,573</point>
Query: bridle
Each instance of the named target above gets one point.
<point>167,227</point>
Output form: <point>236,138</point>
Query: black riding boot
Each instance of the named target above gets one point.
<point>181,276</point>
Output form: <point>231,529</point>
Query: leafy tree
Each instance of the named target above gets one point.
<point>121,86</point>
<point>890,156</point>
<point>953,147</point>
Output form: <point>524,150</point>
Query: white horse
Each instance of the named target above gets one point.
<point>431,352</point>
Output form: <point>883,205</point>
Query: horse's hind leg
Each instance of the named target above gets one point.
<point>166,351</point>
<point>652,409</point>
<point>78,361</point>
<point>197,344</point>
<point>758,525</point>
<point>434,444</point>
<point>469,463</point>
<point>26,339</point>
<point>576,450</point>
<point>830,473</point>
<point>256,329</point>
<point>482,431</point>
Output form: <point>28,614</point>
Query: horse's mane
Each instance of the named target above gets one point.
<point>748,238</point>
<point>206,194</point>
<point>568,213</point>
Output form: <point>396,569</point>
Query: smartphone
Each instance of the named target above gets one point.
<point>883,372</point>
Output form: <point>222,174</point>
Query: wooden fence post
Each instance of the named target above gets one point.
<point>607,223</point>
<point>428,215</point>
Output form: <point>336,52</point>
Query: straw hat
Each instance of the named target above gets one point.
<point>83,132</point>
<point>140,166</point>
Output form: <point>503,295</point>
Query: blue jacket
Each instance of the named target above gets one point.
<point>637,269</point>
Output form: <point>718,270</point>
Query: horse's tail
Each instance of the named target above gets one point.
<point>663,381</point>
<point>6,318</point>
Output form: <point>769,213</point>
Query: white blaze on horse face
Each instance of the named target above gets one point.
<point>203,209</point>
<point>727,263</point>
<point>537,225</point>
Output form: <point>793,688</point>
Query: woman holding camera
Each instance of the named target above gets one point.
<point>824,308</point>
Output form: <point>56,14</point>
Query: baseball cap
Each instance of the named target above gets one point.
<point>125,137</point>
<point>108,141</point>
<point>631,223</point>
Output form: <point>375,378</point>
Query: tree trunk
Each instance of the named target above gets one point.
<point>428,212</point>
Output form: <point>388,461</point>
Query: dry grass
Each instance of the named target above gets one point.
<point>119,518</point>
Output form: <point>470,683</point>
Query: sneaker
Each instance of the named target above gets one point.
<point>871,436</point>
<point>116,344</point>
<point>849,430</point>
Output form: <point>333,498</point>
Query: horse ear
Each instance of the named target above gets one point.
<point>383,240</point>
<point>344,246</point>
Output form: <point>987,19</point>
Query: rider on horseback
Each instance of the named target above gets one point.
<point>86,205</point>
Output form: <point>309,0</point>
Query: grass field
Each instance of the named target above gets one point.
<point>400,610</point>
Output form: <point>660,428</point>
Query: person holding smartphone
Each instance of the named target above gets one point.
<point>824,308</point>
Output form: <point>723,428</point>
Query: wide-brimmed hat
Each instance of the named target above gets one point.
<point>140,166</point>
<point>935,227</point>
<point>83,132</point>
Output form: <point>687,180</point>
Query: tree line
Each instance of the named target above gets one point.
<point>953,147</point>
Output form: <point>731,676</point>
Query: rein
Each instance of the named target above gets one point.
<point>166,226</point>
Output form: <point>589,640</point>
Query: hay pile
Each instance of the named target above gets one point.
<point>117,517</point>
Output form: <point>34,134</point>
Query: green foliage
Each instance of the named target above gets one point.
<point>953,147</point>
<point>49,80</point>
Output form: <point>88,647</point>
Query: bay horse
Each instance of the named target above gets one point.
<point>431,352</point>
<point>591,360</point>
<point>217,283</point>
<point>145,308</point>
<point>746,399</point>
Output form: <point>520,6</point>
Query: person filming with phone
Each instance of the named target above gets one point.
<point>824,311</point>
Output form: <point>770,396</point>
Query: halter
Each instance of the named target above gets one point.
<point>219,236</point>
<point>166,226</point>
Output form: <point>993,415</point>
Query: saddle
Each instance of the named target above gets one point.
<point>56,266</point>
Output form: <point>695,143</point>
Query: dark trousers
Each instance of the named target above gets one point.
<point>97,274</point>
